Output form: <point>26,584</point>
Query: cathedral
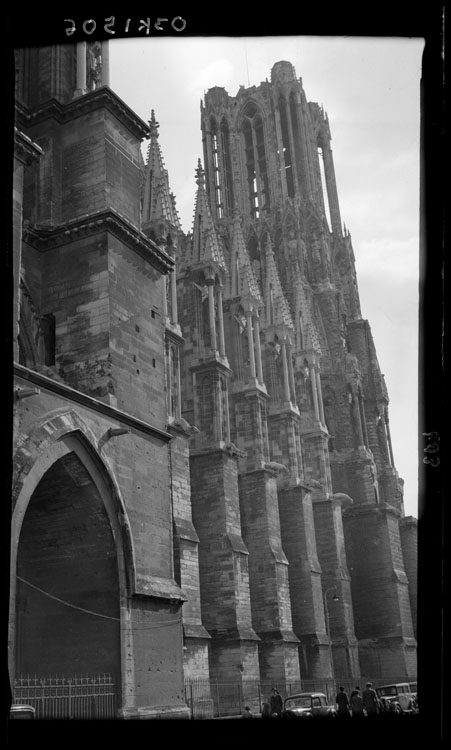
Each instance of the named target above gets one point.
<point>204,488</point>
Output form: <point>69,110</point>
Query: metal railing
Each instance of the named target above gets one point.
<point>67,697</point>
<point>208,699</point>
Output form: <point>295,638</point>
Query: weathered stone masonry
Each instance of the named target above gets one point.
<point>202,453</point>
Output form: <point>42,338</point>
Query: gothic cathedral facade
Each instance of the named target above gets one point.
<point>202,453</point>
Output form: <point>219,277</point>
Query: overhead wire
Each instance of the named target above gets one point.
<point>159,624</point>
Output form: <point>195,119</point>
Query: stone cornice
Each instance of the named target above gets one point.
<point>213,363</point>
<point>110,412</point>
<point>24,148</point>
<point>46,238</point>
<point>367,509</point>
<point>82,105</point>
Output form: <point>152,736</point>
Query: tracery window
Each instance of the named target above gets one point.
<point>216,169</point>
<point>226,168</point>
<point>287,158</point>
<point>324,185</point>
<point>255,158</point>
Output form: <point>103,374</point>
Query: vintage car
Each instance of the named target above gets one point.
<point>25,711</point>
<point>399,697</point>
<point>307,705</point>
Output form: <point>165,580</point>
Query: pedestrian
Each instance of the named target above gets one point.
<point>356,703</point>
<point>276,703</point>
<point>370,700</point>
<point>355,691</point>
<point>247,713</point>
<point>266,710</point>
<point>342,701</point>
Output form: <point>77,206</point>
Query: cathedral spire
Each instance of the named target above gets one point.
<point>243,282</point>
<point>206,248</point>
<point>308,335</point>
<point>158,203</point>
<point>276,306</point>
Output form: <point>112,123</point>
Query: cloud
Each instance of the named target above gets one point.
<point>218,72</point>
<point>388,258</point>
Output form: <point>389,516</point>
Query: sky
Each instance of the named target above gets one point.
<point>370,89</point>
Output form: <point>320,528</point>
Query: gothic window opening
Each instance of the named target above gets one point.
<point>286,147</point>
<point>262,168</point>
<point>237,275</point>
<point>300,332</point>
<point>223,410</point>
<point>271,304</point>
<point>48,324</point>
<point>226,168</point>
<point>250,167</point>
<point>216,170</point>
<point>255,158</point>
<point>324,185</point>
<point>206,332</point>
<point>329,415</point>
<point>173,380</point>
<point>297,138</point>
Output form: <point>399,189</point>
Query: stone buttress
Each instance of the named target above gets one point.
<point>223,555</point>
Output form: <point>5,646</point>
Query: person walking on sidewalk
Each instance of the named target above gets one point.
<point>356,703</point>
<point>342,701</point>
<point>276,703</point>
<point>370,700</point>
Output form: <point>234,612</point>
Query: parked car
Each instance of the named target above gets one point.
<point>399,697</point>
<point>19,711</point>
<point>307,705</point>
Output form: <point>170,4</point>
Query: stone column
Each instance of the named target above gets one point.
<point>286,382</point>
<point>291,373</point>
<point>320,398</point>
<point>356,418</point>
<point>222,350</point>
<point>387,430</point>
<point>314,391</point>
<point>258,350</point>
<point>179,387</point>
<point>331,187</point>
<point>211,309</point>
<point>305,165</point>
<point>227,413</point>
<point>383,430</point>
<point>81,69</point>
<point>281,159</point>
<point>363,420</point>
<point>169,376</point>
<point>292,148</point>
<point>174,312</point>
<point>105,53</point>
<point>165,297</point>
<point>250,338</point>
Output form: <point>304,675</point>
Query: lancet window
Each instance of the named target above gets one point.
<point>255,157</point>
<point>324,186</point>
<point>226,168</point>
<point>216,169</point>
<point>287,157</point>
<point>297,136</point>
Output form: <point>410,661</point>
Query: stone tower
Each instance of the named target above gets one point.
<point>94,584</point>
<point>204,483</point>
<point>306,398</point>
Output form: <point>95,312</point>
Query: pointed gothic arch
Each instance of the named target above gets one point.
<point>251,126</point>
<point>72,558</point>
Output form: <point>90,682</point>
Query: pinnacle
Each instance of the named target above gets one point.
<point>200,174</point>
<point>154,125</point>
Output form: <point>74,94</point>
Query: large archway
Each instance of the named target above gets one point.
<point>67,586</point>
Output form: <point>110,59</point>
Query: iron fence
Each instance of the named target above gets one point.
<point>208,699</point>
<point>67,697</point>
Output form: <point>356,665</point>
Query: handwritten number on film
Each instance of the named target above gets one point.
<point>89,26</point>
<point>432,447</point>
